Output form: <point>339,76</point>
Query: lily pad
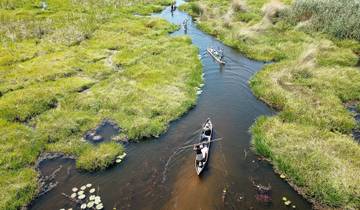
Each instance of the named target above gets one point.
<point>122,156</point>
<point>287,203</point>
<point>90,204</point>
<point>99,206</point>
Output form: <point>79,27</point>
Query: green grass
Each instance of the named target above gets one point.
<point>310,138</point>
<point>98,158</point>
<point>20,105</point>
<point>13,156</point>
<point>20,186</point>
<point>338,18</point>
<point>65,69</point>
<point>313,158</point>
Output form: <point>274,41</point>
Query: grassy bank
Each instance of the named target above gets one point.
<point>316,48</point>
<point>65,68</point>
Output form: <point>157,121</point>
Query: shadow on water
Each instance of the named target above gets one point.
<point>157,175</point>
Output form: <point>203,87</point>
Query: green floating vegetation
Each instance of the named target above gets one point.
<point>65,68</point>
<point>310,140</point>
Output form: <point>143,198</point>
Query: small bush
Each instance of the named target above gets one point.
<point>197,8</point>
<point>272,10</point>
<point>239,5</point>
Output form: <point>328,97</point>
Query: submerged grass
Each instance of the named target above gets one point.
<point>65,68</point>
<point>315,74</point>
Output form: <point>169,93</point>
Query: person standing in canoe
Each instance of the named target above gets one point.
<point>220,53</point>
<point>173,7</point>
<point>185,22</point>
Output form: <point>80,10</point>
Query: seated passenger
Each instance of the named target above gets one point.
<point>199,155</point>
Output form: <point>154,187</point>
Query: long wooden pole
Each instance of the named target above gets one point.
<point>184,147</point>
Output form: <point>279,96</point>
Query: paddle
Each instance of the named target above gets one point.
<point>188,146</point>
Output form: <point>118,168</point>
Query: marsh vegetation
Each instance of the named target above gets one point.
<point>65,68</point>
<point>316,48</point>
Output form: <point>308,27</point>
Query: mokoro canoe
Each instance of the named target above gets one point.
<point>215,55</point>
<point>203,147</point>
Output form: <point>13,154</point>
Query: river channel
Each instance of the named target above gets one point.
<point>156,175</point>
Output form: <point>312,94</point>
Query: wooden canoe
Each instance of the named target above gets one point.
<point>211,51</point>
<point>204,145</point>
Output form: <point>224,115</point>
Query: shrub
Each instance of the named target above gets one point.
<point>239,5</point>
<point>272,10</point>
<point>197,8</point>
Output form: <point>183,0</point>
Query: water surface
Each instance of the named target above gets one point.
<point>156,175</point>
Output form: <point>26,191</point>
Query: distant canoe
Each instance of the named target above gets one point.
<point>215,55</point>
<point>204,145</point>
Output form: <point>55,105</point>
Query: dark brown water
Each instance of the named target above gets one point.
<point>105,131</point>
<point>156,175</point>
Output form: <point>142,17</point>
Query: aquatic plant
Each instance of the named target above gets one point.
<point>85,197</point>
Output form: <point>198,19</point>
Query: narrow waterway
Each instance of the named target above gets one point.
<point>156,175</point>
